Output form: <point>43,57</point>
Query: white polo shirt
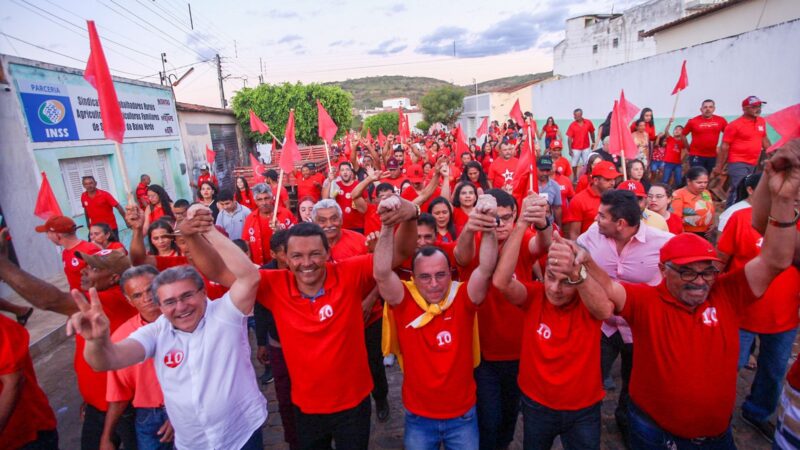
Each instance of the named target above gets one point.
<point>210,389</point>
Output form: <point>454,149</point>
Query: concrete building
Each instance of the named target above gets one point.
<point>495,105</point>
<point>50,122</point>
<point>595,41</point>
<point>400,102</point>
<point>722,20</point>
<point>215,128</point>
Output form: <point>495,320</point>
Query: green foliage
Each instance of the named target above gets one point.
<point>356,123</point>
<point>423,125</point>
<point>271,103</point>
<point>499,83</point>
<point>386,121</point>
<point>370,92</point>
<point>442,104</point>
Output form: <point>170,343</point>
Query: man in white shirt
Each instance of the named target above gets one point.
<point>200,350</point>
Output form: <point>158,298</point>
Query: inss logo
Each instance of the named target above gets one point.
<point>51,112</point>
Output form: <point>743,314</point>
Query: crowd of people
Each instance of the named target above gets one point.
<point>493,300</point>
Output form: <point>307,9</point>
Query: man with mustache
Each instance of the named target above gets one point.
<point>690,322</point>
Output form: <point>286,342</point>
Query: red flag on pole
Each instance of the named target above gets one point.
<point>400,122</point>
<point>258,170</point>
<point>326,128</point>
<point>525,166</point>
<point>290,153</point>
<point>483,128</point>
<point>381,137</point>
<point>787,123</point>
<point>46,204</point>
<point>620,140</point>
<point>683,81</point>
<point>628,109</point>
<point>210,155</point>
<point>256,124</point>
<point>461,143</point>
<point>99,77</point>
<point>516,114</point>
<point>369,136</point>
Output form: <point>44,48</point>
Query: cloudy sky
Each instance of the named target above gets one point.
<point>297,40</point>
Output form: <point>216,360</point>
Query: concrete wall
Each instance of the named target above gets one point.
<point>196,136</point>
<point>736,19</point>
<point>726,70</point>
<point>475,108</point>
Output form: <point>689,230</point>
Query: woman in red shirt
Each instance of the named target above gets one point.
<point>100,234</point>
<point>584,180</point>
<point>243,194</point>
<point>647,116</point>
<point>464,199</point>
<point>160,236</point>
<point>445,225</point>
<point>473,173</point>
<point>659,198</point>
<point>159,205</point>
<point>550,132</point>
<point>304,207</point>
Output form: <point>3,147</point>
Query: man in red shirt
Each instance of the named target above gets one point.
<point>583,207</point>
<point>61,231</point>
<point>26,418</point>
<point>102,272</point>
<point>206,175</point>
<point>257,230</point>
<point>705,130</point>
<point>98,205</point>
<point>691,320</point>
<point>501,172</point>
<point>141,190</point>
<point>317,306</point>
<point>309,183</point>
<point>580,140</point>
<point>561,165</point>
<point>395,177</point>
<point>341,190</point>
<point>742,144</point>
<point>435,320</point>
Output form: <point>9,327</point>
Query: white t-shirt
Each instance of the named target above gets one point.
<point>723,218</point>
<point>210,389</point>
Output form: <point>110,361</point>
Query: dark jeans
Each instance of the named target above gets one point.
<point>256,441</point>
<point>458,433</point>
<point>148,422</point>
<point>348,428</point>
<point>93,420</point>
<point>372,336</point>
<point>45,440</point>
<point>283,392</point>
<point>498,402</point>
<point>610,347</point>
<point>646,434</point>
<point>579,429</point>
<point>671,169</point>
<point>736,173</point>
<point>774,351</point>
<point>705,162</point>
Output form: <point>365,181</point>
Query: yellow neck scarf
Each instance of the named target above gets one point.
<point>431,309</point>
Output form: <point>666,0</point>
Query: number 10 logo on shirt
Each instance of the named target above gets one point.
<point>173,358</point>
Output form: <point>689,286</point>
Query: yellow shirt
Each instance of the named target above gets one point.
<point>655,220</point>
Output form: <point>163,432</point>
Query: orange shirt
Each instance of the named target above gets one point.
<point>73,265</point>
<point>323,337</point>
<point>501,172</point>
<point>583,208</point>
<point>776,311</point>
<point>744,137</point>
<point>696,211</point>
<point>684,372</point>
<point>437,369</point>
<point>32,412</point>
<point>137,383</point>
<point>560,362</point>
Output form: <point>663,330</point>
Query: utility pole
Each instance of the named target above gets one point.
<point>191,21</point>
<point>164,68</point>
<point>261,66</point>
<point>221,87</point>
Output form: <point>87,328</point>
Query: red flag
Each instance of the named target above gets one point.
<point>620,140</point>
<point>210,155</point>
<point>628,109</point>
<point>483,128</point>
<point>99,77</point>
<point>461,144</point>
<point>256,124</point>
<point>521,181</point>
<point>46,203</point>
<point>369,136</point>
<point>516,114</point>
<point>258,170</point>
<point>290,153</point>
<point>787,123</point>
<point>683,81</point>
<point>381,137</point>
<point>326,128</point>
<point>348,147</point>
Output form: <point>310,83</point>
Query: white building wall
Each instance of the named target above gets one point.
<point>726,70</point>
<point>475,109</point>
<point>397,102</point>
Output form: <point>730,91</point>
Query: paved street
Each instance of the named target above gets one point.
<point>56,376</point>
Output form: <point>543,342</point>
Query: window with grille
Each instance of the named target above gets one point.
<point>73,169</point>
<point>594,48</point>
<point>615,43</point>
<point>166,173</point>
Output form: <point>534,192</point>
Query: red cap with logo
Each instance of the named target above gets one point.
<point>753,101</point>
<point>415,174</point>
<point>58,224</point>
<point>634,186</point>
<point>605,169</point>
<point>687,248</point>
<point>556,144</point>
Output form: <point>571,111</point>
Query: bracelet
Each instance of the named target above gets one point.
<point>419,211</point>
<point>546,225</point>
<point>772,221</point>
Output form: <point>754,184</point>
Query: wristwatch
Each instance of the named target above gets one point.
<point>583,274</point>
<point>547,224</point>
<point>789,224</point>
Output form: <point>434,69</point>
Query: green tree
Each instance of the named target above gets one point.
<point>442,104</point>
<point>423,125</point>
<point>386,121</point>
<point>272,103</point>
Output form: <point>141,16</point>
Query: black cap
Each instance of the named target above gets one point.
<point>545,163</point>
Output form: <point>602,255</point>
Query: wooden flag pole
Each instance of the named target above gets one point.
<point>277,197</point>
<point>675,106</point>
<point>328,155</point>
<point>624,165</point>
<point>124,169</point>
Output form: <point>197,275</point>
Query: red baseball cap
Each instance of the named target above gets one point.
<point>415,174</point>
<point>58,224</point>
<point>392,164</point>
<point>753,101</point>
<point>687,248</point>
<point>633,186</point>
<point>605,169</point>
<point>556,144</point>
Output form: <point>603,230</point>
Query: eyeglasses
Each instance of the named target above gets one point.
<point>690,275</point>
<point>426,278</point>
<point>183,298</point>
<point>506,218</point>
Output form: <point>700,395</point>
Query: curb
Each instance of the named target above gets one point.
<point>48,342</point>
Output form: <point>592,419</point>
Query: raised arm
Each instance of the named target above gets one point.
<point>503,279</point>
<point>396,211</point>
<point>327,185</point>
<point>534,212</point>
<point>430,188</point>
<point>389,285</point>
<point>782,176</point>
<point>205,258</point>
<point>246,277</point>
<point>358,191</point>
<point>565,262</point>
<point>484,212</point>
<point>134,217</point>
